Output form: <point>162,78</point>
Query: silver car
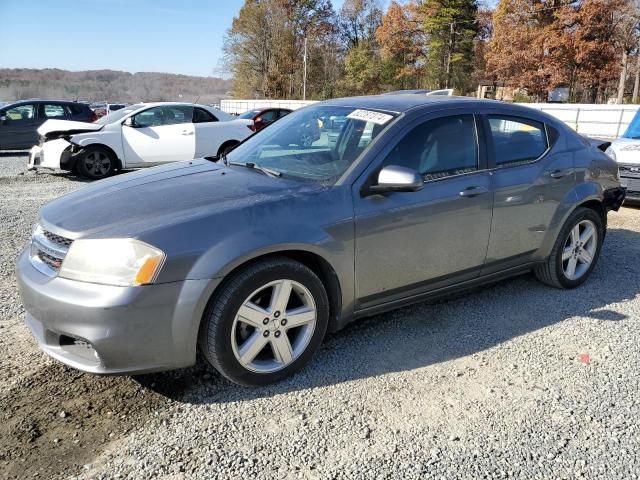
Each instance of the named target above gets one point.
<point>253,259</point>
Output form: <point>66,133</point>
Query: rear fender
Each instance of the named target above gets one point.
<point>580,194</point>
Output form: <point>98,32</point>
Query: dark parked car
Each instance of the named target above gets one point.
<point>252,260</point>
<point>20,120</point>
<point>264,116</point>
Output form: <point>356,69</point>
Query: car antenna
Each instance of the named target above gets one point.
<point>197,98</point>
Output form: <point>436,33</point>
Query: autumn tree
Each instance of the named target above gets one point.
<point>402,46</point>
<point>358,21</point>
<point>264,46</point>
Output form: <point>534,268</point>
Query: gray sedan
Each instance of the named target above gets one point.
<point>302,229</point>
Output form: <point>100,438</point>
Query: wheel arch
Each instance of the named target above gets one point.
<point>315,262</point>
<point>587,195</point>
<point>226,144</point>
<point>101,145</point>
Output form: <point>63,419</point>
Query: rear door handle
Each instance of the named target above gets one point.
<point>560,173</point>
<point>473,191</point>
<point>187,132</point>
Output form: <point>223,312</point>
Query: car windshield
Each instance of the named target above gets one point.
<point>317,143</point>
<point>249,115</point>
<point>633,131</point>
<point>118,114</point>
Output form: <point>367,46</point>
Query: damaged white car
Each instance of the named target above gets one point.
<point>141,135</point>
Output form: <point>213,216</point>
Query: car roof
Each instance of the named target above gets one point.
<point>42,100</point>
<point>404,102</point>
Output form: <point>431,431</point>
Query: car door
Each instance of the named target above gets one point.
<point>528,182</point>
<point>18,129</point>
<point>408,243</point>
<point>158,135</point>
<point>207,132</point>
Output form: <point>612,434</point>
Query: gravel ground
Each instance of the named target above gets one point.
<point>513,380</point>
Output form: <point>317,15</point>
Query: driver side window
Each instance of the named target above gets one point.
<point>439,148</point>
<point>163,115</point>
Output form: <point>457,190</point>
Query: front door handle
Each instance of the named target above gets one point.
<point>474,191</point>
<point>560,173</point>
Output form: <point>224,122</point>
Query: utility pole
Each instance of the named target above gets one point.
<point>304,74</point>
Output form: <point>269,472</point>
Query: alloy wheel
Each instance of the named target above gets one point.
<point>97,163</point>
<point>579,249</point>
<point>274,326</point>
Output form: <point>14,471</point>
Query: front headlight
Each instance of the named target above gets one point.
<point>611,152</point>
<point>118,261</point>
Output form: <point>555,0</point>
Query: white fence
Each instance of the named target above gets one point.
<point>606,121</point>
<point>236,107</point>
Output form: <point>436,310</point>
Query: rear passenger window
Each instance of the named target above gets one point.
<point>516,140</point>
<point>200,115</point>
<point>439,148</point>
<point>53,111</point>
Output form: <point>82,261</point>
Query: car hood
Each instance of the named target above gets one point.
<point>131,204</point>
<point>627,150</point>
<point>53,128</point>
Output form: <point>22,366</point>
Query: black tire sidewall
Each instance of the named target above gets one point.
<point>576,217</point>
<point>219,323</point>
<point>82,167</point>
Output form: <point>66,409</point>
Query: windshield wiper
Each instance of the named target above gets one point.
<point>267,171</point>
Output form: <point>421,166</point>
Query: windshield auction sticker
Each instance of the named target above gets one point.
<point>370,116</point>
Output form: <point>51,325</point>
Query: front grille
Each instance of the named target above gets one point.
<point>49,260</point>
<point>57,239</point>
<point>627,170</point>
<point>48,251</point>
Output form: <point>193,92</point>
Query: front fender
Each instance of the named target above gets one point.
<point>107,138</point>
<point>333,245</point>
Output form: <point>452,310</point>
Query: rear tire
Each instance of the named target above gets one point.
<point>96,162</point>
<point>576,251</point>
<point>266,322</point>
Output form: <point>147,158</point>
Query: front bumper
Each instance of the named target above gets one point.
<point>52,154</point>
<point>632,184</point>
<point>113,330</point>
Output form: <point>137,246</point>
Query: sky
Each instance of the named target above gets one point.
<point>175,36</point>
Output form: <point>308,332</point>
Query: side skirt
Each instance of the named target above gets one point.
<point>442,292</point>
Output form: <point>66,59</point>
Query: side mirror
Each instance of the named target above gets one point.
<point>129,122</point>
<point>394,178</point>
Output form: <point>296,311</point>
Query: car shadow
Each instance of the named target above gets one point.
<point>14,153</point>
<point>430,333</point>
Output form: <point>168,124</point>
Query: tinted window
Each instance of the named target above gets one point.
<point>439,148</point>
<point>249,115</point>
<point>76,109</point>
<point>21,112</point>
<point>282,113</point>
<point>53,111</point>
<point>516,140</point>
<point>200,115</point>
<point>268,116</point>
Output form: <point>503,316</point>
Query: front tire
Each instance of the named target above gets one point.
<point>266,322</point>
<point>96,162</point>
<point>575,252</point>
